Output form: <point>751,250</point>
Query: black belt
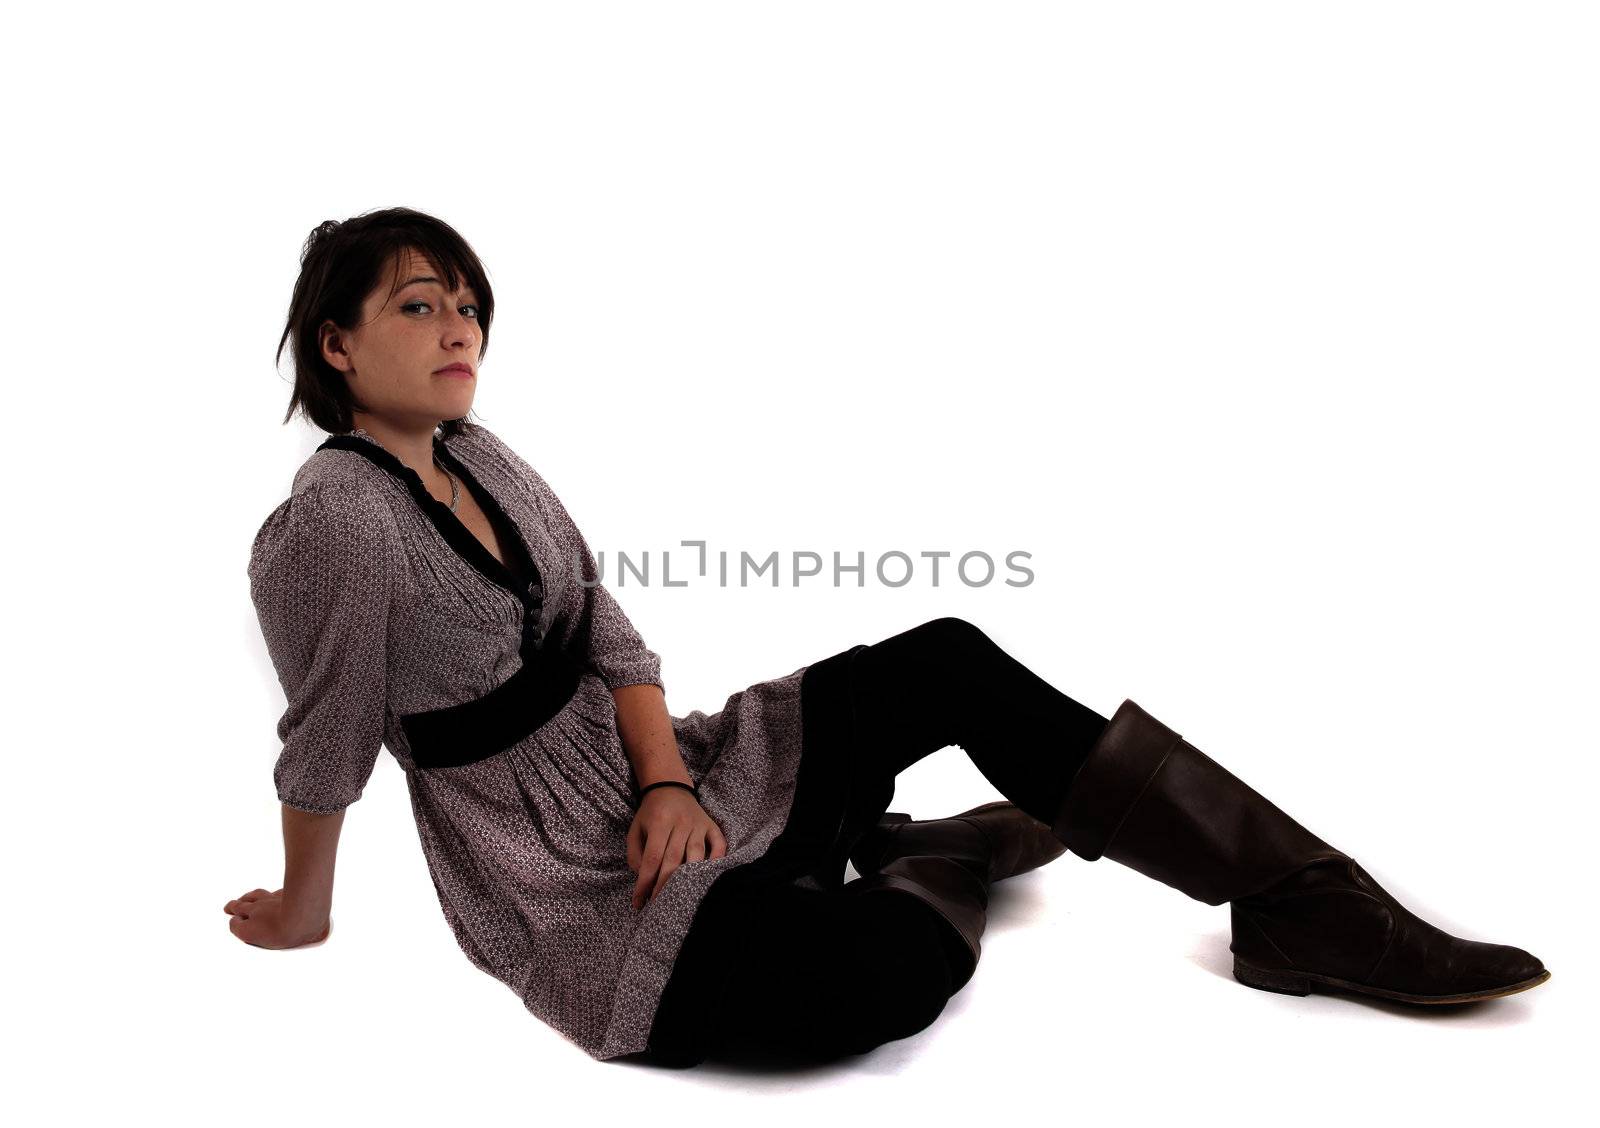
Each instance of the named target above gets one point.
<point>475,730</point>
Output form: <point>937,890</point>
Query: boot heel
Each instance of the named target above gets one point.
<point>1283,982</point>
<point>895,817</point>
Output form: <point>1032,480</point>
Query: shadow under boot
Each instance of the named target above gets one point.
<point>1305,915</point>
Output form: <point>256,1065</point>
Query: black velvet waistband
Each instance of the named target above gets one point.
<point>475,730</point>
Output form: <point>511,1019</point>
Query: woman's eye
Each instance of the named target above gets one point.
<point>411,305</point>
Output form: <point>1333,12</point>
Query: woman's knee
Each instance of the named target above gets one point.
<point>951,633</point>
<point>830,974</point>
<point>908,975</point>
<point>913,692</point>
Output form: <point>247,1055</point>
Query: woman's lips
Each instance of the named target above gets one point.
<point>462,372</point>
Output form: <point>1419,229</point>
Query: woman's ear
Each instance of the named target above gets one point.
<point>331,341</point>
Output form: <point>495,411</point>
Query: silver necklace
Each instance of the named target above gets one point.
<point>455,486</point>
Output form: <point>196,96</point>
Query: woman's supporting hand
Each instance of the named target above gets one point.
<point>302,915</point>
<point>669,828</point>
<point>267,921</point>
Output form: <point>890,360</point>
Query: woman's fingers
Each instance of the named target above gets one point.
<point>636,840</point>
<point>649,862</point>
<point>662,850</point>
<point>242,902</point>
<point>244,928</point>
<point>659,864</point>
<point>672,858</point>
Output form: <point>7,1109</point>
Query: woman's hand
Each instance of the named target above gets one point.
<point>267,921</point>
<point>669,828</point>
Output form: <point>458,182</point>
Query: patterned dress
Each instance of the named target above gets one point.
<point>376,604</point>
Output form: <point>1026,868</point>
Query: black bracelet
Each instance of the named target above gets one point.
<point>670,783</point>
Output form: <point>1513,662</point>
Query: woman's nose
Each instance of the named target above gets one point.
<point>463,329</point>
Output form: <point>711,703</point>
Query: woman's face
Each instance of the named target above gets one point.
<point>397,360</point>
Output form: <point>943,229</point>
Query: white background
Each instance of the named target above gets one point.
<point>1268,329</point>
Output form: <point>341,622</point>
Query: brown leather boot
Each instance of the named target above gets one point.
<point>950,863</point>
<point>997,840</point>
<point>1306,917</point>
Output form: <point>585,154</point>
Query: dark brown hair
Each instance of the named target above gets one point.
<point>340,264</point>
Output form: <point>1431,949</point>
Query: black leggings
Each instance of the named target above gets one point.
<point>823,973</point>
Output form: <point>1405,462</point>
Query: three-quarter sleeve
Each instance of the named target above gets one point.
<point>322,570</point>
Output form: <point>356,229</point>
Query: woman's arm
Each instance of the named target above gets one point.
<point>300,912</point>
<point>310,847</point>
<point>647,736</point>
<point>322,572</point>
<point>670,827</point>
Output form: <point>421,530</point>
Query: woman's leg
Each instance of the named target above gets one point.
<point>946,682</point>
<point>816,975</point>
<point>1306,916</point>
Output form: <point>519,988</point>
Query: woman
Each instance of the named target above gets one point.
<point>673,886</point>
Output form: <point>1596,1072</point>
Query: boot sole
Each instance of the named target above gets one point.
<point>1304,982</point>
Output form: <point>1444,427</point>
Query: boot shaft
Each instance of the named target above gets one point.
<point>1149,799</point>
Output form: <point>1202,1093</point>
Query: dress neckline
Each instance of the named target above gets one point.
<point>529,592</point>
